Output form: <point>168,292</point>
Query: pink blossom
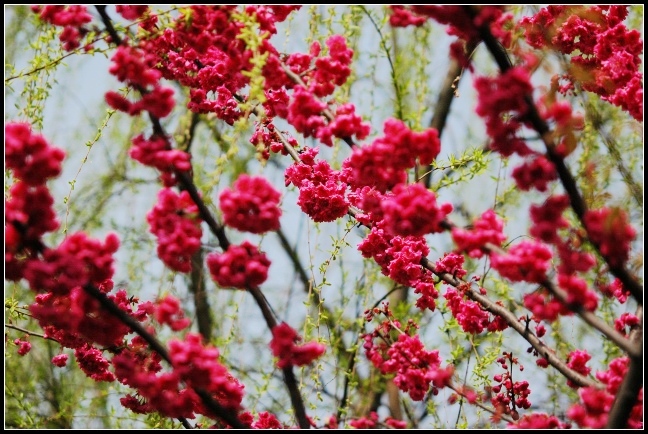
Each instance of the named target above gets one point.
<point>252,205</point>
<point>23,347</point>
<point>577,292</point>
<point>486,229</point>
<point>284,347</point>
<point>609,229</point>
<point>239,266</point>
<point>31,158</point>
<point>156,152</point>
<point>576,361</point>
<point>413,210</point>
<point>198,366</point>
<point>547,218</point>
<point>71,17</point>
<point>175,222</point>
<point>382,163</point>
<point>168,311</point>
<point>131,12</point>
<point>93,364</point>
<point>536,173</point>
<point>538,421</point>
<point>525,261</point>
<point>60,360</point>
<point>321,195</point>
<point>504,97</point>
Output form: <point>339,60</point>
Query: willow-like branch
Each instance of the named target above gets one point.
<point>444,101</point>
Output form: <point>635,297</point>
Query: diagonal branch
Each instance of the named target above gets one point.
<point>156,346</point>
<point>578,204</point>
<point>218,230</point>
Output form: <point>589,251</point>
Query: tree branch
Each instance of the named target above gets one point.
<point>444,101</point>
<point>218,230</point>
<point>578,204</point>
<point>156,346</point>
<point>628,393</point>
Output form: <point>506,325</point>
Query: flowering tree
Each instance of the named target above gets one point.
<point>445,297</point>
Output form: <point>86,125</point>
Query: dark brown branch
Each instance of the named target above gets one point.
<point>289,376</point>
<point>578,204</point>
<point>27,332</point>
<point>518,326</point>
<point>628,393</point>
<point>218,230</point>
<point>442,107</point>
<point>510,318</point>
<point>156,346</point>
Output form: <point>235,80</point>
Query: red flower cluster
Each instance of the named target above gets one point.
<point>544,306</point>
<point>536,173</point>
<point>194,365</point>
<point>60,360</point>
<point>321,195</point>
<point>547,218</point>
<point>131,12</point>
<point>595,404</point>
<point>416,369</point>
<point>526,261</point>
<point>252,205</point>
<point>486,229</point>
<point>71,18</point>
<point>197,366</point>
<point>413,210</point>
<point>606,55</point>
<point>23,347</point>
<point>174,221</point>
<point>29,156</point>
<point>168,311</point>
<point>265,420</point>
<point>500,98</point>
<point>609,229</point>
<point>77,261</point>
<point>156,152</point>
<point>136,68</point>
<point>539,421</point>
<point>470,315</point>
<point>284,347</point>
<point>382,164</point>
<point>239,266</point>
<point>576,361</point>
<point>577,292</point>
<point>515,394</point>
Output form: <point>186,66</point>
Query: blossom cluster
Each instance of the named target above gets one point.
<point>251,205</point>
<point>71,17</point>
<point>288,353</point>
<point>595,404</point>
<point>240,266</point>
<point>382,163</point>
<point>321,193</point>
<point>605,54</point>
<point>175,222</point>
<point>415,369</point>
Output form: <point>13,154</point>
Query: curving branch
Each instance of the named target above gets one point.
<point>157,346</point>
<point>578,204</point>
<point>186,183</point>
<point>444,101</point>
<point>631,385</point>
